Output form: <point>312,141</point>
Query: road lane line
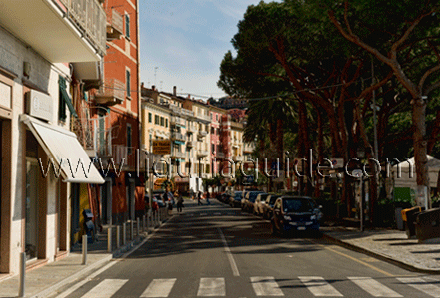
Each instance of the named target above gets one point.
<point>319,287</point>
<point>203,214</point>
<point>229,254</point>
<point>421,285</point>
<point>217,213</point>
<point>159,288</point>
<point>375,288</point>
<point>106,288</point>
<point>352,258</point>
<point>212,287</point>
<point>266,286</point>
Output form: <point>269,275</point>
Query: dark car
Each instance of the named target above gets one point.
<point>251,196</point>
<point>295,213</point>
<point>268,207</point>
<point>224,198</point>
<point>235,200</point>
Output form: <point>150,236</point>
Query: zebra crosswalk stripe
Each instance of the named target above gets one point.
<point>106,288</point>
<point>421,285</point>
<point>266,286</point>
<point>373,287</point>
<point>318,286</point>
<point>212,287</point>
<point>159,288</point>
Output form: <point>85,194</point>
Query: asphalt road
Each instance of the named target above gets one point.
<point>218,251</point>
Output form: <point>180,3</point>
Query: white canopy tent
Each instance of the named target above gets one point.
<point>404,173</point>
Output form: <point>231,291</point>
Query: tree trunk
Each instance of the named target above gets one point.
<point>420,143</point>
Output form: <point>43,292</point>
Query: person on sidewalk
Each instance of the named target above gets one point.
<point>179,203</point>
<point>199,198</point>
<point>207,197</point>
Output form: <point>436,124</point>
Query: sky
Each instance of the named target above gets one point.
<point>183,42</point>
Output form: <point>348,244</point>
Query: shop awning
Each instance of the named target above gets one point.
<point>63,148</point>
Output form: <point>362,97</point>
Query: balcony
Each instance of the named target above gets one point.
<point>202,153</point>
<point>93,137</point>
<point>220,155</point>
<point>202,134</point>
<point>177,121</point>
<point>59,30</point>
<point>124,156</point>
<point>176,154</point>
<point>115,25</point>
<point>203,117</point>
<point>177,136</point>
<point>112,92</point>
<point>190,144</point>
<point>181,111</point>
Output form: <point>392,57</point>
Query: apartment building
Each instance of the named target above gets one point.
<point>217,154</point>
<point>37,91</point>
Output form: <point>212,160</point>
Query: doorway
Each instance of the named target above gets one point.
<point>31,227</point>
<point>106,202</point>
<point>131,198</point>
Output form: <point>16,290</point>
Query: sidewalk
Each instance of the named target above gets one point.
<point>42,281</point>
<point>389,245</point>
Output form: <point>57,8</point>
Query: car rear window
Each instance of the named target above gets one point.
<point>297,205</point>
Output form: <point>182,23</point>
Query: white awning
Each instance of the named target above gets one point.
<point>63,148</point>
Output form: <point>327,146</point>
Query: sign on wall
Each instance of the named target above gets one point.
<point>162,147</point>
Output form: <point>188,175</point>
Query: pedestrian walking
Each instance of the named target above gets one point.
<point>207,198</point>
<point>179,203</point>
<point>199,198</point>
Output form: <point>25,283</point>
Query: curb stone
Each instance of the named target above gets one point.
<point>379,256</point>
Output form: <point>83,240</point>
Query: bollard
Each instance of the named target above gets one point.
<point>109,240</point>
<point>84,250</point>
<point>143,223</point>
<point>131,229</point>
<point>22,274</point>
<point>137,226</point>
<point>124,233</point>
<point>118,236</point>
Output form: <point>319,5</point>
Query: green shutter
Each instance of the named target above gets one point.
<point>65,100</point>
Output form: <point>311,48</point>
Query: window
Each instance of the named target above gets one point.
<point>64,100</point>
<point>162,121</point>
<point>212,148</point>
<point>127,83</point>
<point>207,128</point>
<point>216,117</point>
<point>212,130</point>
<point>208,169</point>
<point>127,26</point>
<point>150,118</point>
<point>166,122</point>
<point>129,138</point>
<point>156,119</point>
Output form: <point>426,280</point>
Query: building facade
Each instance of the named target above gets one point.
<point>36,112</point>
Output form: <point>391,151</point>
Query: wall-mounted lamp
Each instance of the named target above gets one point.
<point>26,69</point>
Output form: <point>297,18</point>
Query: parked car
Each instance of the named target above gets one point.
<point>224,198</point>
<point>295,213</point>
<point>268,207</point>
<point>250,200</point>
<point>235,200</point>
<point>260,201</point>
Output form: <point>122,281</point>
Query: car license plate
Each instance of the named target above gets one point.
<point>301,228</point>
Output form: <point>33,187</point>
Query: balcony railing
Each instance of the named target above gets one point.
<point>202,153</point>
<point>202,134</point>
<point>177,136</point>
<point>177,121</point>
<point>204,117</point>
<point>90,16</point>
<point>115,25</point>
<point>94,138</point>
<point>124,155</point>
<point>111,92</point>
<point>177,154</point>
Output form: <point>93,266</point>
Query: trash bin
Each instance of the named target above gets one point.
<point>428,224</point>
<point>409,216</point>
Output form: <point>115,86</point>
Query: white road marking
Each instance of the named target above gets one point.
<point>375,288</point>
<point>421,285</point>
<point>212,287</point>
<point>106,288</point>
<point>318,286</point>
<point>217,213</point>
<point>229,254</point>
<point>203,214</point>
<point>266,286</point>
<point>159,288</point>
